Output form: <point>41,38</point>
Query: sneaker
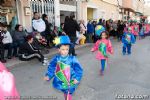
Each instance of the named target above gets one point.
<point>123,53</point>
<point>129,53</point>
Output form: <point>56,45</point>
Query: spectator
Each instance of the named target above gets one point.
<point>2,59</point>
<point>70,28</point>
<point>48,31</point>
<point>95,38</point>
<point>120,28</point>
<point>27,51</point>
<point>18,38</point>
<point>81,37</point>
<point>7,41</point>
<point>90,32</point>
<point>38,24</point>
<point>61,30</point>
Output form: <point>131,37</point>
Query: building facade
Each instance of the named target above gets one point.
<point>132,9</point>
<point>22,10</point>
<point>96,9</point>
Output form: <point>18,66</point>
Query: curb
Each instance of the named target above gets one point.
<point>52,51</point>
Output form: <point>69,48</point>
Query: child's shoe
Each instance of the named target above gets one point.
<point>123,53</point>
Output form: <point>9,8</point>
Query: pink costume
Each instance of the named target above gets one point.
<point>132,29</point>
<point>108,45</point>
<point>136,30</point>
<point>8,89</point>
<point>146,29</point>
<point>149,27</point>
<point>126,29</point>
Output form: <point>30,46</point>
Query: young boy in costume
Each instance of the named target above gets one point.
<point>128,39</point>
<point>65,70</point>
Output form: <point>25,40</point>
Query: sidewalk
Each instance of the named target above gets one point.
<point>15,61</point>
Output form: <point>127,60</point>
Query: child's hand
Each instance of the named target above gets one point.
<point>75,81</point>
<point>92,50</point>
<point>46,78</point>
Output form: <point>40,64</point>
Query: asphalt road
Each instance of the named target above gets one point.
<point>126,77</point>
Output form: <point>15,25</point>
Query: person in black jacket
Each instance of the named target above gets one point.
<point>27,51</point>
<point>48,30</point>
<point>2,50</point>
<point>70,28</point>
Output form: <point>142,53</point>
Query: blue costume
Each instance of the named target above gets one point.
<point>75,72</point>
<point>127,40</point>
<point>64,69</point>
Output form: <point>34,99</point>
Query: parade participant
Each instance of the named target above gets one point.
<point>103,45</point>
<point>146,29</point>
<point>8,89</point>
<point>135,29</point>
<point>65,69</point>
<point>127,40</point>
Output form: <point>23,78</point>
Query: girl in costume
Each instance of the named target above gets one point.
<point>136,29</point>
<point>65,69</point>
<point>127,40</point>
<point>8,89</point>
<point>103,45</point>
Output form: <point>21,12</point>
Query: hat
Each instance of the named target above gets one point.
<point>99,29</point>
<point>129,29</point>
<point>135,21</point>
<point>61,40</point>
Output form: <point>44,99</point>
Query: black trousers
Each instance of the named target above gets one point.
<point>72,47</point>
<point>2,51</point>
<point>28,57</point>
<point>8,47</point>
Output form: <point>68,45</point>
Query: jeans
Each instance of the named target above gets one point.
<point>126,47</point>
<point>89,38</point>
<point>16,45</point>
<point>2,51</point>
<point>72,47</point>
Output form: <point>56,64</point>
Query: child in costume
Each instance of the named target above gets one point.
<point>127,40</point>
<point>141,32</point>
<point>104,46</point>
<point>65,69</point>
<point>136,29</point>
<point>8,89</point>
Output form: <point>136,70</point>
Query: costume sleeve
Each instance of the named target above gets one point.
<point>95,47</point>
<point>110,49</point>
<point>132,39</point>
<point>51,68</point>
<point>77,69</point>
<point>123,38</point>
